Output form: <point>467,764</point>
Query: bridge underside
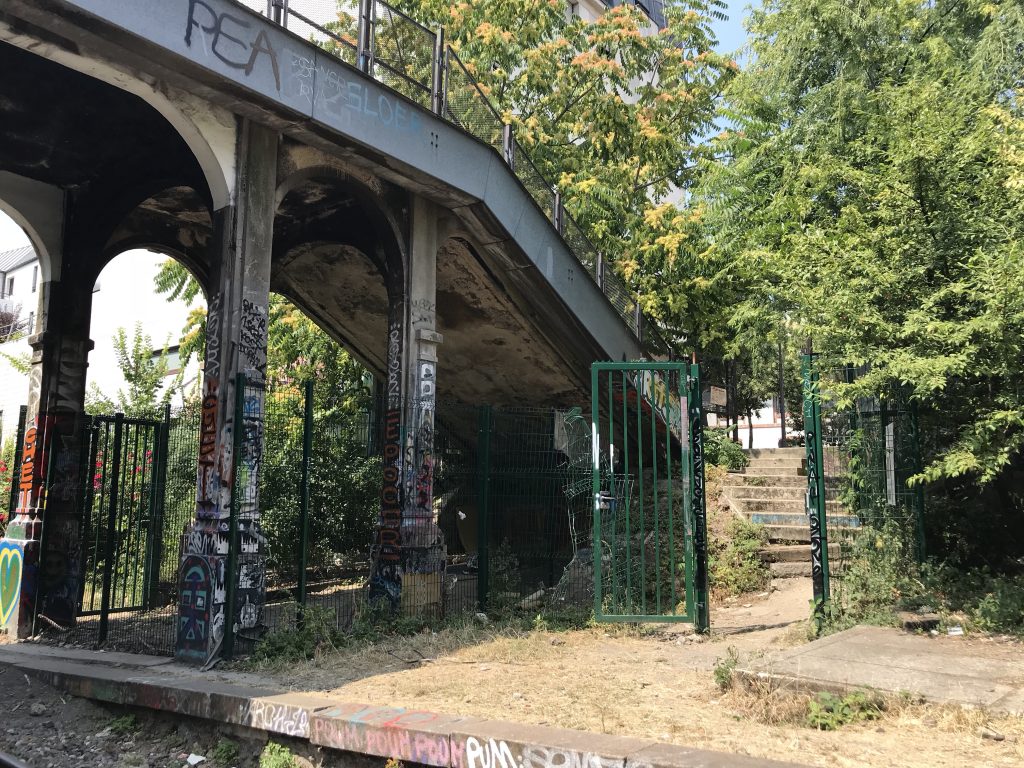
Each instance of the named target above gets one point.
<point>439,292</point>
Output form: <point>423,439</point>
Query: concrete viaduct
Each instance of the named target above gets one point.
<point>206,131</point>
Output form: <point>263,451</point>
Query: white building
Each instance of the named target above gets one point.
<point>123,296</point>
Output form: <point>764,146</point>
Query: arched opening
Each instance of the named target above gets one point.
<point>19,278</point>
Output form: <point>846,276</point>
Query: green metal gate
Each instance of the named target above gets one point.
<point>123,521</point>
<point>649,526</point>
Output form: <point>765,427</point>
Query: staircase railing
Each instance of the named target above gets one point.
<point>415,61</point>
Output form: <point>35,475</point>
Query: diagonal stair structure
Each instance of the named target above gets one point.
<point>771,491</point>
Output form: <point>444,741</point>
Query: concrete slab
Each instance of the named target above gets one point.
<point>889,660</point>
<point>413,736</point>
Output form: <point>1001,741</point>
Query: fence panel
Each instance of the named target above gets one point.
<point>643,558</point>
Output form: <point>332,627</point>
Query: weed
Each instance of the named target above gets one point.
<point>225,753</point>
<point>757,480</point>
<point>735,565</point>
<point>719,449</point>
<point>125,725</point>
<point>393,763</point>
<point>828,711</point>
<point>724,669</point>
<point>276,755</point>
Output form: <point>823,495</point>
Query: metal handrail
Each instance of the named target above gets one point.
<point>513,153</point>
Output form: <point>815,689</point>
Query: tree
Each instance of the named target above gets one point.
<point>145,374</point>
<point>871,191</point>
<point>615,118</point>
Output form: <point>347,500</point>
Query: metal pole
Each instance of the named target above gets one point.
<point>364,50</point>
<point>307,452</point>
<point>702,613</point>
<point>159,494</point>
<point>915,436</point>
<point>600,271</point>
<point>16,465</point>
<point>277,5</point>
<point>638,317</point>
<point>556,212</point>
<point>231,577</point>
<point>782,395</point>
<point>508,145</point>
<point>483,532</point>
<point>437,73</point>
<point>108,565</point>
<point>815,499</point>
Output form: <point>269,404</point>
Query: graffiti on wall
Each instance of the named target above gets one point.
<point>386,578</point>
<point>11,566</point>
<point>252,339</point>
<point>494,753</point>
<point>232,39</point>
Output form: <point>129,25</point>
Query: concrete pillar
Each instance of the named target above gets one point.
<point>409,554</point>
<point>423,546</point>
<point>41,552</point>
<point>236,342</point>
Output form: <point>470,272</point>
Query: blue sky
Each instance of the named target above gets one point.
<point>730,33</point>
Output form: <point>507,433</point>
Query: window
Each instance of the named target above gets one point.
<point>10,286</point>
<point>31,322</point>
<point>35,277</point>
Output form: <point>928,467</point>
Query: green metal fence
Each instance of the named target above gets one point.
<point>860,459</point>
<point>645,526</point>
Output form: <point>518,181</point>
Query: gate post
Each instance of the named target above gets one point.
<point>698,502</point>
<point>815,499</point>
<point>111,542</point>
<point>483,506</point>
<point>307,455</point>
<point>156,547</point>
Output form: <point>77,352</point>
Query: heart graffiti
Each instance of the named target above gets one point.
<point>10,580</point>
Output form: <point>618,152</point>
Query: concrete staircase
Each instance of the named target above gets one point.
<point>771,491</point>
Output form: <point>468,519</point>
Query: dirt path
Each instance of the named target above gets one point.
<point>656,684</point>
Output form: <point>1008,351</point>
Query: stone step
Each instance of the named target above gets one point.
<point>800,518</point>
<point>790,492</point>
<point>754,480</point>
<point>774,472</point>
<point>793,553</point>
<point>781,505</point>
<point>802,533</point>
<point>758,453</point>
<point>776,461</point>
<point>791,570</point>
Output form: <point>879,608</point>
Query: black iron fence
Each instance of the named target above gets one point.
<point>415,62</point>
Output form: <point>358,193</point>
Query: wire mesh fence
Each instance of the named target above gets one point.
<point>403,54</point>
<point>467,106</point>
<point>331,25</point>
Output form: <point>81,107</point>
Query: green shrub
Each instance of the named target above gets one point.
<point>720,450</point>
<point>225,753</point>
<point>276,755</point>
<point>828,711</point>
<point>734,566</point>
<point>125,725</point>
<point>724,669</point>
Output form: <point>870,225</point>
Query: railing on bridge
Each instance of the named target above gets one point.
<point>405,56</point>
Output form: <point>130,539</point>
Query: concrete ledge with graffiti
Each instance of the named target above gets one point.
<point>416,737</point>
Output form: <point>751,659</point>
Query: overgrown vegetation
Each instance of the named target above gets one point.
<point>734,565</point>
<point>722,451</point>
<point>225,754</point>
<point>880,576</point>
<point>829,711</point>
<point>276,755</point>
<point>724,669</point>
<point>125,725</point>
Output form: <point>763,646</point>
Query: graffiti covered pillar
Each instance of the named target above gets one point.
<point>236,342</point>
<point>423,545</point>
<point>409,551</point>
<point>41,555</point>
